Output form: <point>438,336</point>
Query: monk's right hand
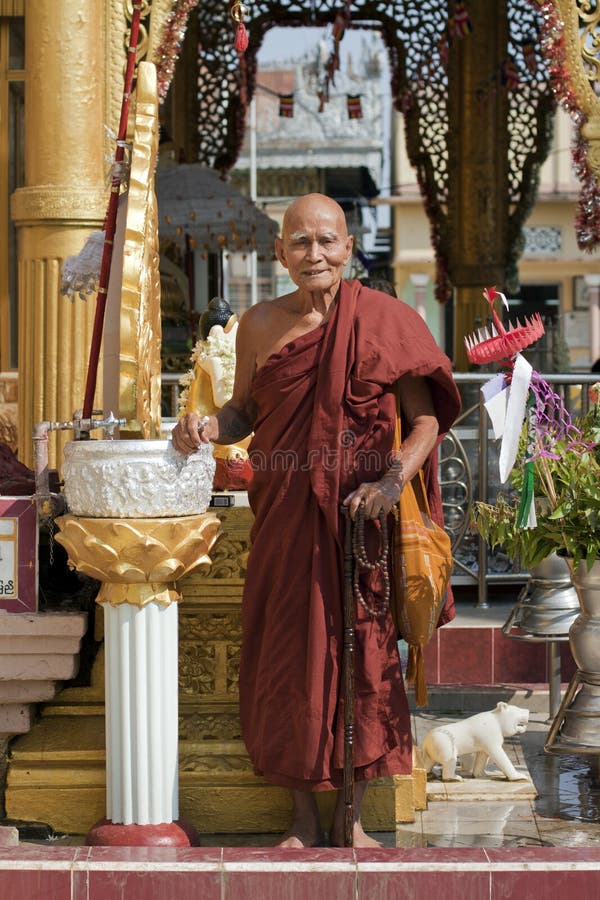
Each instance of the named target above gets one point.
<point>192,430</point>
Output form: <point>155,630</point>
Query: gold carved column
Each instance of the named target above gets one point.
<point>64,198</point>
<point>478,163</point>
<point>581,24</point>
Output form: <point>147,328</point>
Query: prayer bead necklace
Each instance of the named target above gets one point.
<point>362,561</point>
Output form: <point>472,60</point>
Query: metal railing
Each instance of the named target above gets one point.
<point>460,489</point>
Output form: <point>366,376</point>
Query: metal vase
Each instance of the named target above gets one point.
<point>576,727</point>
<point>547,606</point>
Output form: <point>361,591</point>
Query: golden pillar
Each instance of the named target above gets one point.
<point>478,163</point>
<point>64,198</point>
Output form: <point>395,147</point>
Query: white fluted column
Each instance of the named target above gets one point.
<point>420,282</point>
<point>139,562</point>
<point>141,713</point>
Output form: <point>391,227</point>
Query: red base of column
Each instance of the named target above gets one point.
<point>167,834</point>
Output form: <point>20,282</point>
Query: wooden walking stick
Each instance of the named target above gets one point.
<point>348,682</point>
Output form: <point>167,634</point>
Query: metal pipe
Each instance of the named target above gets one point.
<point>482,601</point>
<point>42,483</point>
<point>253,195</point>
<point>554,679</point>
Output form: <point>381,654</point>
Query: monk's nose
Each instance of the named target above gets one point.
<point>314,250</point>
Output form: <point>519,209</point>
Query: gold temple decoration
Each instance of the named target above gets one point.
<point>140,322</point>
<point>581,20</point>
<point>159,14</point>
<point>138,560</point>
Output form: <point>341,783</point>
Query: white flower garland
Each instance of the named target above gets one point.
<point>218,344</point>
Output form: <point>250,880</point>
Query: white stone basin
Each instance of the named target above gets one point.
<point>136,479</point>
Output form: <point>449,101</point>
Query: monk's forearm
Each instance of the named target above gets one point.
<point>234,425</point>
<point>411,457</point>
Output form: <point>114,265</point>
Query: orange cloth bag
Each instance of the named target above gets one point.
<point>422,566</point>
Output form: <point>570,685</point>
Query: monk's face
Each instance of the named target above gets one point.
<point>315,245</point>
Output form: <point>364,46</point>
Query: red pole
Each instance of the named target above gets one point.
<point>111,217</point>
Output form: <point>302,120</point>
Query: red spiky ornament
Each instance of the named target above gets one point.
<point>497,343</point>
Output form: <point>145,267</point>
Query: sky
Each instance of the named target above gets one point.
<point>286,44</point>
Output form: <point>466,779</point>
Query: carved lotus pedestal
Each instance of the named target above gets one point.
<point>138,561</point>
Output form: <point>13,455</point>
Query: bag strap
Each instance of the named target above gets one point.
<point>418,481</point>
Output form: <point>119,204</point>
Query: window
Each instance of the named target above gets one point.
<point>239,282</point>
<point>12,76</point>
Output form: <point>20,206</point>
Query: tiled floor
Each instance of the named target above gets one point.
<point>566,812</point>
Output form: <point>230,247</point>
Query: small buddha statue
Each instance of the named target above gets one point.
<point>209,385</point>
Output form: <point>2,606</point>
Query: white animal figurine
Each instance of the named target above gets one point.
<point>482,734</point>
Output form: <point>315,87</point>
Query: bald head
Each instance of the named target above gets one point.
<point>309,207</point>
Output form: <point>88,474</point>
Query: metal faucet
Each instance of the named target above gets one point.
<point>49,505</point>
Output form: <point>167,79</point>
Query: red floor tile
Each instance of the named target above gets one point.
<point>288,885</point>
<point>545,885</point>
<point>250,874</point>
<point>158,855</point>
<point>152,873</point>
<point>555,856</point>
<point>153,884</point>
<point>420,855</point>
<point>443,885</point>
<point>35,884</point>
<point>278,856</point>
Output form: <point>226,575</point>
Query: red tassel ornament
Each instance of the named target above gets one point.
<point>241,38</point>
<point>238,13</point>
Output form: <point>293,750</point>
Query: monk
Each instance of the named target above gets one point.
<point>315,377</point>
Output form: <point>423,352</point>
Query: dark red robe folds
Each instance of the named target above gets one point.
<point>325,423</point>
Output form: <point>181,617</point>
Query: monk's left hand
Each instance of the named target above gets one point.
<point>377,496</point>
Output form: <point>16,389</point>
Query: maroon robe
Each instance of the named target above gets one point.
<point>325,423</point>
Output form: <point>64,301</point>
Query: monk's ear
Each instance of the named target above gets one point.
<point>280,252</point>
<point>349,246</point>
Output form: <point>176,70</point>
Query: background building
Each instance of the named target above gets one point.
<point>318,147</point>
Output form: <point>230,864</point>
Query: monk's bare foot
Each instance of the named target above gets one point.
<point>296,839</point>
<point>305,830</point>
<point>359,837</point>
